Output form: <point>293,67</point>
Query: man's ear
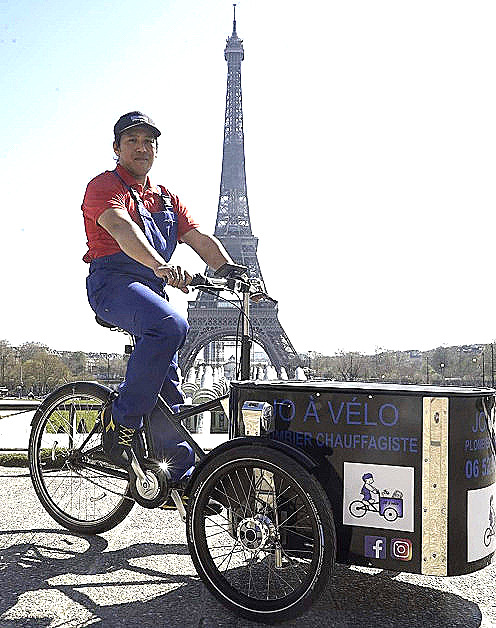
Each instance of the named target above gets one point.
<point>116,148</point>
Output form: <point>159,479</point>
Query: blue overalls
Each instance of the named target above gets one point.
<point>127,294</point>
<point>367,495</point>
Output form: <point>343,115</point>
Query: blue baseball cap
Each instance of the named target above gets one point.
<point>132,119</point>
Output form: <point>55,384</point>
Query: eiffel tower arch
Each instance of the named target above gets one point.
<point>211,319</point>
<point>209,323</point>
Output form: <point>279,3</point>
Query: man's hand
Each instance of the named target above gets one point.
<point>175,276</point>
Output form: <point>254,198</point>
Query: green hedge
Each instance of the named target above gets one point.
<point>21,459</point>
<point>14,460</point>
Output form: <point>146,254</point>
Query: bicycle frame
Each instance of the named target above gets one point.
<point>176,418</point>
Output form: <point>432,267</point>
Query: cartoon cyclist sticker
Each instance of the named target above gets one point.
<point>481,522</point>
<point>367,503</point>
<point>389,507</point>
<point>491,530</point>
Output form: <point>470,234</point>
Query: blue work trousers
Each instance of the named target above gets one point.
<point>136,304</point>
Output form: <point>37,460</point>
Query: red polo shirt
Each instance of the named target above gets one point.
<point>106,191</point>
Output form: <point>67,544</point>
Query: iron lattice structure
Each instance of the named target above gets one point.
<point>212,320</point>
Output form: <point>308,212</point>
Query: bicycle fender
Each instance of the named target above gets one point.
<point>67,387</point>
<point>308,463</point>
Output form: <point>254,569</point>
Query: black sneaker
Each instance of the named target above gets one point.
<point>213,507</point>
<point>118,440</point>
<point>171,505</point>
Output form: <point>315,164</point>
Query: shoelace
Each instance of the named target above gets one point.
<point>125,435</point>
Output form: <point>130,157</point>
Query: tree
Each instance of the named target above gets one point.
<point>30,350</point>
<point>349,366</point>
<point>44,371</point>
<point>76,361</point>
<point>6,361</point>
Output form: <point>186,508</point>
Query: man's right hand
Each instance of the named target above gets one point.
<point>175,276</point>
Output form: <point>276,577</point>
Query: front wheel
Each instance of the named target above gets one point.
<point>70,475</point>
<point>390,514</point>
<point>270,552</point>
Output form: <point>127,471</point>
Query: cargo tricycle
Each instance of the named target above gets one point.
<point>381,475</point>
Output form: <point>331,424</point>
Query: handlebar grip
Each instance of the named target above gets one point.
<point>199,280</point>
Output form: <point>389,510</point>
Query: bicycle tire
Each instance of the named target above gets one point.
<point>282,537</point>
<point>81,491</point>
<point>390,514</point>
<point>357,508</point>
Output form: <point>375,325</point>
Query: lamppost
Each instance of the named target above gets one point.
<point>427,369</point>
<point>20,387</point>
<point>475,360</point>
<point>378,350</point>
<point>107,358</point>
<point>483,368</point>
<point>442,366</point>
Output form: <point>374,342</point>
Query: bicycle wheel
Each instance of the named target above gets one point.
<point>74,483</point>
<point>390,514</point>
<point>357,508</point>
<point>271,550</point>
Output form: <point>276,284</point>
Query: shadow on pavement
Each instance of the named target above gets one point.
<point>120,588</point>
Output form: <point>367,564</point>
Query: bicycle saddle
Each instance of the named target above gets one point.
<point>103,323</point>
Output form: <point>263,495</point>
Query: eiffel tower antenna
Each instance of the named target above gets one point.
<point>209,319</point>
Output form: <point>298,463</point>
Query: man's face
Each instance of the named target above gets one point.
<point>137,151</point>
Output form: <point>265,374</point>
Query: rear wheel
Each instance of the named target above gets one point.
<point>271,550</point>
<point>76,485</point>
<point>358,508</point>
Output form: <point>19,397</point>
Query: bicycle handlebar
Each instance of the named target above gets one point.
<point>241,284</point>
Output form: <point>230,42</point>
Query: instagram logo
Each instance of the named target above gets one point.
<point>401,549</point>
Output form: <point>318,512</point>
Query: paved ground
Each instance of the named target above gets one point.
<point>140,575</point>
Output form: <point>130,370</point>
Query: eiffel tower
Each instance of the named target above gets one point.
<point>211,320</point>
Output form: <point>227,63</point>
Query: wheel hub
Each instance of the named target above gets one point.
<point>254,532</point>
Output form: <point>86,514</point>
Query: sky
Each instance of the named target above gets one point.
<point>370,135</point>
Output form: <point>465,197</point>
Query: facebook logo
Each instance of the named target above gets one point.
<point>375,547</point>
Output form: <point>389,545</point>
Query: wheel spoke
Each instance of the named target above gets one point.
<point>65,473</point>
<point>303,536</point>
<point>267,548</point>
<point>246,501</point>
